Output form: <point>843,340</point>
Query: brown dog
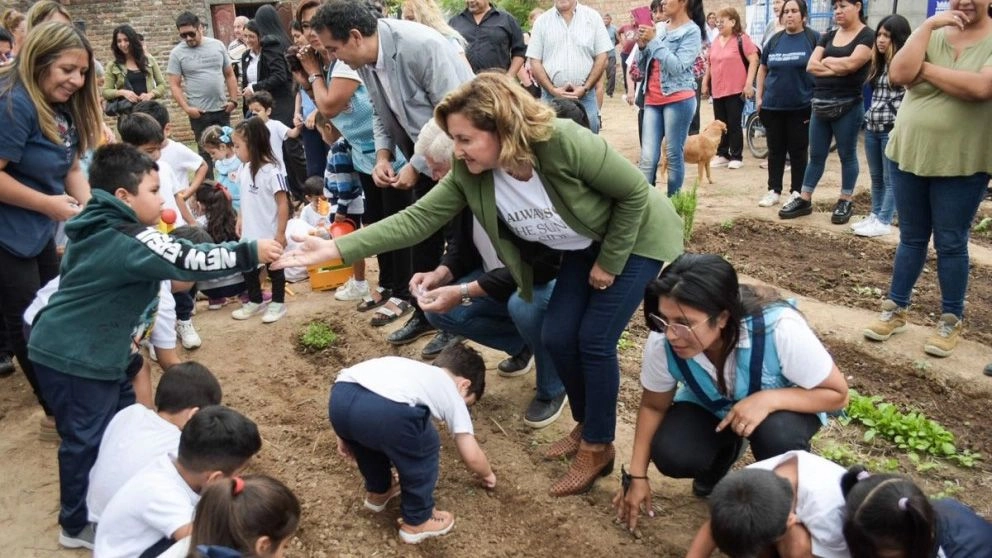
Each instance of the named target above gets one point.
<point>699,148</point>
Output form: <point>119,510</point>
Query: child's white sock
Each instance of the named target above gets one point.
<point>362,283</point>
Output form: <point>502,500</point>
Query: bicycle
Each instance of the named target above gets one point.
<point>754,130</point>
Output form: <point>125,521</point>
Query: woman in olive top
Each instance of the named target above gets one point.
<point>134,75</point>
<point>530,178</point>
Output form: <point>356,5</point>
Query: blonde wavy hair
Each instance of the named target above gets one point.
<point>42,11</point>
<point>42,47</point>
<point>494,102</point>
<point>428,13</point>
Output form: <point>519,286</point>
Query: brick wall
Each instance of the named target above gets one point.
<point>620,9</point>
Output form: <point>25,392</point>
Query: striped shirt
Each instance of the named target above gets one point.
<point>567,49</point>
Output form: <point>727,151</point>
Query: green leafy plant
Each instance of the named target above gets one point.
<point>685,201</point>
<point>912,431</point>
<point>625,342</point>
<point>317,336</point>
<point>727,225</point>
<point>983,226</point>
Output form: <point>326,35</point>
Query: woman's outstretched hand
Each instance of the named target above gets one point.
<point>313,250</point>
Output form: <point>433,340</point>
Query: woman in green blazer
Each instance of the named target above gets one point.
<point>531,178</point>
<point>134,75</point>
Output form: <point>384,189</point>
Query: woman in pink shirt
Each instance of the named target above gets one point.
<point>730,80</point>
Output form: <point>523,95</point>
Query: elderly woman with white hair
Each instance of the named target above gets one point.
<point>472,294</point>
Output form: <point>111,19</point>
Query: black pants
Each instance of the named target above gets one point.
<point>787,133</point>
<point>315,151</point>
<point>207,119</point>
<point>296,167</point>
<point>694,126</point>
<point>426,254</point>
<point>20,279</point>
<point>686,444</point>
<point>623,66</point>
<point>728,110</point>
<point>396,266</point>
<point>254,285</point>
<point>611,72</point>
<point>185,302</point>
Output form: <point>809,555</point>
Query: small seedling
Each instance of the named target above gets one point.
<point>983,226</point>
<point>624,342</point>
<point>317,336</point>
<point>727,225</point>
<point>685,205</point>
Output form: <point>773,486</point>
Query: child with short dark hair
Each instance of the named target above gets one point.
<point>403,395</point>
<point>83,342</point>
<point>154,509</point>
<point>313,213</point>
<point>789,505</point>
<point>260,105</point>
<point>138,435</point>
<point>183,160</point>
<point>888,515</point>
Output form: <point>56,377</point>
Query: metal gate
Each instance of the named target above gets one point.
<point>759,15</point>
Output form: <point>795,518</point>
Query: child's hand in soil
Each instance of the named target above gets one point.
<point>489,482</point>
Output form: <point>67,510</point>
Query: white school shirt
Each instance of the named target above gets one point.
<point>41,300</point>
<point>259,211</point>
<point>183,160</point>
<point>164,330</point>
<point>819,500</point>
<point>415,383</point>
<point>169,185</point>
<point>525,207</point>
<point>135,437</point>
<point>805,361</point>
<point>277,135</point>
<point>151,506</point>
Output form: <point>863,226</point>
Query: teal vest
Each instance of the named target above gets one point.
<point>758,368</point>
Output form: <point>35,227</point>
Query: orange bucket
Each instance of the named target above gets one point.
<point>342,228</point>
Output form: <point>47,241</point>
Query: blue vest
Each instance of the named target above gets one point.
<point>758,368</point>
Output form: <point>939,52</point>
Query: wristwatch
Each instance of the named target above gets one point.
<point>466,299</point>
<point>313,78</point>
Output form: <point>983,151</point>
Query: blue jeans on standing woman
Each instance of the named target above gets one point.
<point>943,206</point>
<point>883,203</point>
<point>666,121</point>
<point>845,131</point>
<point>581,329</point>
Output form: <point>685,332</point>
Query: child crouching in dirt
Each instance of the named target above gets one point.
<point>381,410</point>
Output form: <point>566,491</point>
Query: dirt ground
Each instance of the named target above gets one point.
<point>832,273</point>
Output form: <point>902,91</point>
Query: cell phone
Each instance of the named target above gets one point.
<point>642,15</point>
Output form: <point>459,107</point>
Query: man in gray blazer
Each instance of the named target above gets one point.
<point>408,68</point>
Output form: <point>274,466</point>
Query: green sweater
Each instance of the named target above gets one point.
<point>595,190</point>
<point>108,291</point>
<point>116,77</point>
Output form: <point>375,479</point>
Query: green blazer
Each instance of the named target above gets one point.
<point>594,189</point>
<point>116,76</point>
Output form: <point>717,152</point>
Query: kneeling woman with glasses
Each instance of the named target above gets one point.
<point>724,363</point>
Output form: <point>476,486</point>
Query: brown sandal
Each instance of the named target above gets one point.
<point>370,303</point>
<point>585,469</point>
<point>392,310</point>
<point>565,447</point>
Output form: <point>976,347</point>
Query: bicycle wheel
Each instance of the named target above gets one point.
<point>757,140</point>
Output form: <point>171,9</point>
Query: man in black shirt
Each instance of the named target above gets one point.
<point>494,37</point>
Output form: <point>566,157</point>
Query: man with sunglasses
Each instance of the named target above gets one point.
<point>194,65</point>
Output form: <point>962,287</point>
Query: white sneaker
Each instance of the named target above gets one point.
<point>352,290</point>
<point>187,334</point>
<point>248,310</point>
<point>719,161</point>
<point>274,312</point>
<point>790,197</point>
<point>871,218</point>
<point>875,228</point>
<point>770,199</point>
<point>735,164</point>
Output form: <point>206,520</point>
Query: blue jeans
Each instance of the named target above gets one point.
<point>666,121</point>
<point>581,330</point>
<point>845,131</point>
<point>883,202</point>
<point>401,435</point>
<point>507,327</point>
<point>589,104</point>
<point>943,206</point>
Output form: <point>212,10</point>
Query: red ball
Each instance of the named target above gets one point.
<point>169,216</point>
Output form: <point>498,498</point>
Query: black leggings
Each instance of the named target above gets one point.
<point>788,133</point>
<point>254,285</point>
<point>686,444</point>
<point>728,110</point>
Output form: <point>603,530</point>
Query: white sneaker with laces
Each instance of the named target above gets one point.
<point>352,290</point>
<point>790,197</point>
<point>274,312</point>
<point>735,164</point>
<point>248,310</point>
<point>187,334</point>
<point>875,228</point>
<point>770,199</point>
<point>719,161</point>
<point>864,222</point>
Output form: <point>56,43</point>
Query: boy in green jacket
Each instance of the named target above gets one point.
<point>84,343</point>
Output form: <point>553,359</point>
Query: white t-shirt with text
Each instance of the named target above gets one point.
<point>526,208</point>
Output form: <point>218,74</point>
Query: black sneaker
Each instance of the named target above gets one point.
<point>541,412</point>
<point>516,365</point>
<point>842,212</point>
<point>6,365</point>
<point>703,485</point>
<point>795,208</point>
<point>415,328</point>
<point>441,341</point>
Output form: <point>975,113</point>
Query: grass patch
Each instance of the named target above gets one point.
<point>685,201</point>
<point>317,336</point>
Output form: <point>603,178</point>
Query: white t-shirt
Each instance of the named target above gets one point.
<point>487,251</point>
<point>178,550</point>
<point>169,186</point>
<point>277,135</point>
<point>343,70</point>
<point>805,361</point>
<point>259,211</point>
<point>312,218</point>
<point>151,506</point>
<point>819,500</point>
<point>526,208</point>
<point>41,300</point>
<point>135,437</point>
<point>415,383</point>
<point>182,159</point>
<point>164,331</point>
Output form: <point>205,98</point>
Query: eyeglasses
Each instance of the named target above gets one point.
<point>680,331</point>
<point>187,35</point>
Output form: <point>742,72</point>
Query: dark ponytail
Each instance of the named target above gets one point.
<point>695,10</point>
<point>886,513</point>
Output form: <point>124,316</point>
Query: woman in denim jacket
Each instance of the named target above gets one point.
<point>670,89</point>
